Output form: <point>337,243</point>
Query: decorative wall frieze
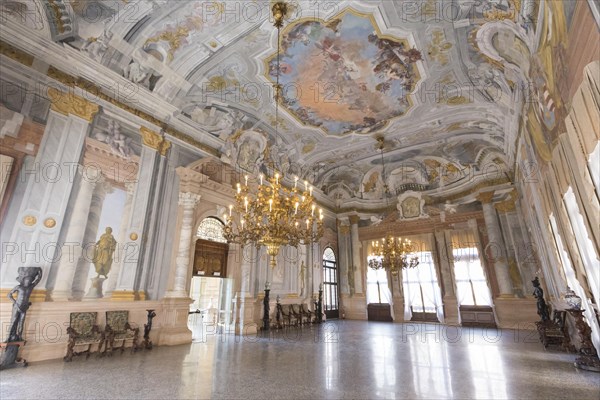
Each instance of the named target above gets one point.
<point>417,226</point>
<point>69,103</point>
<point>16,54</point>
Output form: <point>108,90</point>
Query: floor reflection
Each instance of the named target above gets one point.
<point>338,360</point>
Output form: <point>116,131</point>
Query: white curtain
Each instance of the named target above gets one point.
<point>411,291</point>
<point>422,281</point>
<point>373,294</point>
<point>469,269</point>
<point>574,284</point>
<point>586,248</point>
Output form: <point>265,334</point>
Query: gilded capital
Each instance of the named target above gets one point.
<point>164,147</point>
<point>485,197</point>
<point>69,103</point>
<point>151,138</point>
<point>353,219</point>
<point>509,204</point>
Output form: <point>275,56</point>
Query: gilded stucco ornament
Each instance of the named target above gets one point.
<point>69,103</point>
<point>154,140</point>
<point>29,220</point>
<point>49,223</point>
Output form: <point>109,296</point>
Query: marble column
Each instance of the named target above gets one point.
<point>444,249</point>
<point>84,262</point>
<point>443,243</point>
<point>187,203</point>
<point>113,275</point>
<point>72,248</point>
<point>496,249</point>
<point>343,263</point>
<point>356,260</point>
<point>133,265</point>
<point>33,238</point>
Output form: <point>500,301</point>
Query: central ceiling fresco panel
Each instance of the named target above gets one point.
<point>343,75</point>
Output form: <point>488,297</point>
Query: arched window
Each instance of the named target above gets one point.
<point>211,229</point>
<point>330,284</point>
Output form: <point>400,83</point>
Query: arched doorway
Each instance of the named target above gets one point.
<point>330,284</point>
<point>210,289</point>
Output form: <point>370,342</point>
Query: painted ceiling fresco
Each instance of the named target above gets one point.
<point>443,90</point>
<point>343,76</point>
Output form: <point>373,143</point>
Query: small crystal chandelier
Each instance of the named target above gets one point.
<point>270,214</point>
<point>392,254</point>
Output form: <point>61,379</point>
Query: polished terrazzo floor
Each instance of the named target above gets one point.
<point>339,360</point>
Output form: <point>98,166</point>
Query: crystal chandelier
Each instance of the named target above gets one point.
<point>392,254</point>
<point>268,213</point>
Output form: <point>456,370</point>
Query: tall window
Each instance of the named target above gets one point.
<point>377,285</point>
<point>471,284</point>
<point>421,288</point>
<point>330,284</point>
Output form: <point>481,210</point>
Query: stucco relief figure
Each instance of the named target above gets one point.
<point>410,207</point>
<point>103,253</point>
<point>136,73</point>
<point>120,143</point>
<point>28,278</point>
<point>95,47</point>
<point>248,156</point>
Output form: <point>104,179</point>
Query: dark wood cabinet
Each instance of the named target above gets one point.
<point>379,312</point>
<point>210,258</point>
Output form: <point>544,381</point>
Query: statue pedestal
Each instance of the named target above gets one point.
<point>95,291</point>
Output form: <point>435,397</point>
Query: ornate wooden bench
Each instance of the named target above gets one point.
<point>83,331</point>
<point>118,329</point>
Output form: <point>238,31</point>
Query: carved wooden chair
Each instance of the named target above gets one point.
<point>306,311</point>
<point>287,314</point>
<point>297,311</point>
<point>83,331</point>
<point>554,331</point>
<point>118,329</point>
